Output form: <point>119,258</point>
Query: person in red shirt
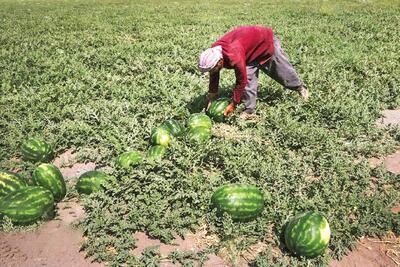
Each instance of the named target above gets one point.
<point>248,49</point>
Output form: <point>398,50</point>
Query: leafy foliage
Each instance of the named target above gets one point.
<point>98,77</point>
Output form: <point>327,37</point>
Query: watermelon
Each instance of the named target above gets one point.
<point>10,182</point>
<point>307,234</point>
<point>90,182</point>
<point>199,120</point>
<point>128,159</point>
<point>156,152</point>
<point>241,202</point>
<point>217,108</point>
<point>37,150</point>
<point>173,127</point>
<point>199,135</point>
<point>160,136</point>
<point>50,177</point>
<point>27,204</point>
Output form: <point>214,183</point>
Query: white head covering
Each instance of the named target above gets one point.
<point>209,58</point>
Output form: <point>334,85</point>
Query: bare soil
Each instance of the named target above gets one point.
<point>372,252</point>
<point>55,243</point>
<point>69,167</point>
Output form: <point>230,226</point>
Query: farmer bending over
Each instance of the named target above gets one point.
<point>248,49</point>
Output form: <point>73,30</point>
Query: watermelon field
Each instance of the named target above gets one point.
<point>107,78</point>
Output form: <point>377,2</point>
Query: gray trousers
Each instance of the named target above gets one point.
<point>278,68</point>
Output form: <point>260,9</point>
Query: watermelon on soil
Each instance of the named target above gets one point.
<point>50,177</point>
<point>217,108</point>
<point>27,204</point>
<point>307,234</point>
<point>129,159</point>
<point>199,120</point>
<point>160,136</point>
<point>241,202</point>
<point>173,127</point>
<point>156,152</point>
<point>199,135</point>
<point>91,181</point>
<point>10,182</point>
<point>37,150</point>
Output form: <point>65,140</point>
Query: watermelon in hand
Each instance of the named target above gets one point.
<point>128,159</point>
<point>241,202</point>
<point>91,181</point>
<point>307,234</point>
<point>37,150</point>
<point>10,182</point>
<point>217,108</point>
<point>160,136</point>
<point>50,177</point>
<point>173,127</point>
<point>199,135</point>
<point>27,204</point>
<point>199,120</point>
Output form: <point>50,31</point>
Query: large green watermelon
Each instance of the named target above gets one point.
<point>173,127</point>
<point>217,108</point>
<point>241,202</point>
<point>307,234</point>
<point>199,135</point>
<point>91,181</point>
<point>156,152</point>
<point>129,159</point>
<point>160,136</point>
<point>27,204</point>
<point>10,182</point>
<point>50,177</point>
<point>199,120</point>
<point>37,150</point>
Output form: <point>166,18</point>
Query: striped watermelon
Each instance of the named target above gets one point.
<point>217,108</point>
<point>50,177</point>
<point>130,158</point>
<point>199,135</point>
<point>156,152</point>
<point>241,202</point>
<point>173,127</point>
<point>37,150</point>
<point>160,136</point>
<point>27,204</point>
<point>91,181</point>
<point>199,120</point>
<point>307,234</point>
<point>10,182</point>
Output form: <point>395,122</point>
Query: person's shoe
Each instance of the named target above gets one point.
<point>248,116</point>
<point>303,92</point>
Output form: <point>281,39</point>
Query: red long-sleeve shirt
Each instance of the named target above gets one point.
<point>240,47</point>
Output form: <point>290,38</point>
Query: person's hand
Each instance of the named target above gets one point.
<point>210,98</point>
<point>230,109</point>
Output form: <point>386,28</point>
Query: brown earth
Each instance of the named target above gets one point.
<point>56,243</point>
<point>372,252</point>
<point>391,117</point>
<point>69,167</point>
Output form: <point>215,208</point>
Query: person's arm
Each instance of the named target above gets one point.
<point>213,83</point>
<point>238,60</point>
<point>212,88</point>
<point>241,81</point>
